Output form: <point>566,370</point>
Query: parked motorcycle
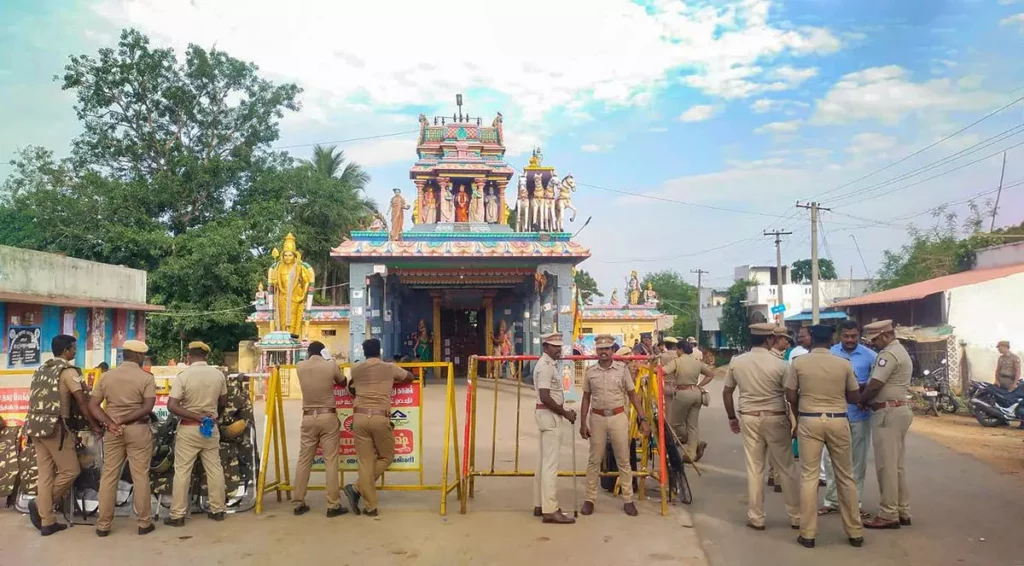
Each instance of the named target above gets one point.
<point>940,397</point>
<point>994,406</point>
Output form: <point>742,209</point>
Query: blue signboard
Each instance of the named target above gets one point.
<point>778,309</point>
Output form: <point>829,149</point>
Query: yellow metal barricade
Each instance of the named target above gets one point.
<point>274,442</point>
<point>650,460</point>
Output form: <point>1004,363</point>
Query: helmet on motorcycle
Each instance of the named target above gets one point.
<point>162,460</point>
<point>234,430</point>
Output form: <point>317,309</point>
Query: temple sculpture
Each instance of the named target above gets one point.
<point>543,198</point>
<point>291,288</point>
<point>633,288</point>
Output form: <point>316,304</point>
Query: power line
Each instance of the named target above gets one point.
<point>349,140</point>
<point>676,201</point>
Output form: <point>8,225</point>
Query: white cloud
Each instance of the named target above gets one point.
<point>1014,20</point>
<point>887,94</point>
<point>743,81</point>
<point>594,148</point>
<point>870,142</point>
<point>787,127</point>
<point>765,105</point>
<point>698,113</point>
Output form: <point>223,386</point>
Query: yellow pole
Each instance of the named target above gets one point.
<point>449,402</point>
<point>494,425</point>
<point>284,447</point>
<point>268,429</point>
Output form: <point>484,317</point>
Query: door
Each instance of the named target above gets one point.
<point>462,334</point>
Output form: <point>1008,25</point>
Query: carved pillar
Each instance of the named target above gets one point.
<point>357,275</point>
<point>420,183</point>
<point>500,187</point>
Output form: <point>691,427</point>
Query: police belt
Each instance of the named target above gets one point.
<point>371,412</point>
<point>190,422</point>
<point>886,404</point>
<point>827,415</point>
<point>320,411</point>
<point>608,412</point>
<point>763,413</point>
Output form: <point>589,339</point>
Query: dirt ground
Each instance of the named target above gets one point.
<point>1001,447</point>
<point>499,528</point>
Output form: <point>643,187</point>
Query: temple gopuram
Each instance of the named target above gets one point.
<point>480,270</point>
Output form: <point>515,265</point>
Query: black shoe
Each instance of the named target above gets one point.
<point>805,542</point>
<point>821,483</point>
<point>353,498</point>
<point>778,488</point>
<point>33,515</point>
<point>771,482</point>
<point>795,527</point>
<point>300,509</point>
<point>856,542</point>
<point>145,530</point>
<point>179,522</point>
<point>216,516</point>
<point>537,512</point>
<point>102,534</point>
<point>336,512</point>
<point>370,512</point>
<point>54,528</point>
<point>905,521</point>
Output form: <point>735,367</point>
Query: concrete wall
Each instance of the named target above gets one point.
<point>37,273</point>
<point>999,256</point>
<point>982,315</point>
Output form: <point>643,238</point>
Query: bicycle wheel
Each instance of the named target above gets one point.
<point>684,493</point>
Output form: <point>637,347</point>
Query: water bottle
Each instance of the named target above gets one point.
<point>206,427</point>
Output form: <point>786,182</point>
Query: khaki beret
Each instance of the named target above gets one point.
<point>1003,343</point>
<point>555,339</point>
<point>671,340</point>
<point>198,345</point>
<point>604,341</point>
<point>624,351</point>
<point>691,340</point>
<point>876,328</point>
<point>137,346</point>
<point>762,329</point>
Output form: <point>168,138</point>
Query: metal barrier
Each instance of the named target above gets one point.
<point>274,439</point>
<point>648,383</point>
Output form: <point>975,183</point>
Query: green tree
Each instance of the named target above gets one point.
<point>587,286</point>
<point>801,271</point>
<point>734,322</point>
<point>677,298</point>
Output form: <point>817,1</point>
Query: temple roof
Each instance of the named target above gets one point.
<point>621,312</point>
<point>507,248</point>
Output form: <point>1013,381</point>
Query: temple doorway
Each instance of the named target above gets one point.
<point>463,333</point>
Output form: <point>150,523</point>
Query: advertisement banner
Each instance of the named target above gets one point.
<point>406,404</point>
<point>14,405</point>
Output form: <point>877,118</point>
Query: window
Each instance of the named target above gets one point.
<point>329,332</point>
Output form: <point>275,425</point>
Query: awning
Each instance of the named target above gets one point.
<point>75,302</point>
<point>922,289</point>
<point>806,316</point>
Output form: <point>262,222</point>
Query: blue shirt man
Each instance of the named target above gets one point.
<point>862,358</point>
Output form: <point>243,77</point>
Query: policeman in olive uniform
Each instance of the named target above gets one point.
<point>199,391</point>
<point>886,395</point>
<point>1007,368</point>
<point>767,432</point>
<point>783,341</point>
<point>548,414</point>
<point>821,384</point>
<point>130,393</point>
<point>320,427</point>
<point>684,373</point>
<point>607,385</point>
<point>697,354</point>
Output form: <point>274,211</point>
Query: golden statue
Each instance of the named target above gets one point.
<point>633,287</point>
<point>291,285</point>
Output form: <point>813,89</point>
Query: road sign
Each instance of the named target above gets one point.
<point>778,309</point>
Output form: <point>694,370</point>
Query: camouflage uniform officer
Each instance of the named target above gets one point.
<point>606,387</point>
<point>886,395</point>
<point>373,381</point>
<point>53,386</point>
<point>684,412</point>
<point>320,427</point>
<point>130,393</point>
<point>766,429</point>
<point>197,392</point>
<point>821,384</point>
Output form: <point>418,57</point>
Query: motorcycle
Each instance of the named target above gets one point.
<point>937,392</point>
<point>994,406</point>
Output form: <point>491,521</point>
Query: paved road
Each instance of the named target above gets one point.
<point>964,511</point>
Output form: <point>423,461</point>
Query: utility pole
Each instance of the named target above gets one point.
<point>999,193</point>
<point>814,208</point>
<point>778,264</point>
<point>699,273</point>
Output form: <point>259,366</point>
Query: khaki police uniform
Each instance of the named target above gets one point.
<point>684,373</point>
<point>822,380</point>
<point>765,426</point>
<point>373,381</point>
<point>890,420</point>
<point>198,389</point>
<point>545,481</point>
<point>56,460</point>
<point>320,426</point>
<point>1007,367</point>
<point>608,422</point>
<point>125,389</point>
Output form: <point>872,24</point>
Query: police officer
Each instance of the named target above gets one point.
<point>130,393</point>
<point>198,392</point>
<point>607,385</point>
<point>783,341</point>
<point>767,432</point>
<point>684,411</point>
<point>320,427</point>
<point>821,384</point>
<point>697,354</point>
<point>646,345</point>
<point>886,395</point>
<point>1007,368</point>
<point>373,381</point>
<point>53,386</point>
<point>548,412</point>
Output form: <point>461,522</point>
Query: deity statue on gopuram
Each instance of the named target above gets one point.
<point>543,198</point>
<point>291,287</point>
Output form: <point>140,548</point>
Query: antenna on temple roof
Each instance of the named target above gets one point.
<point>458,101</point>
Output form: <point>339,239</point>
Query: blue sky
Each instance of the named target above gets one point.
<point>740,108</point>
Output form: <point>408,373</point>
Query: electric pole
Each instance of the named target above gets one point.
<point>699,273</point>
<point>814,208</point>
<point>778,264</point>
<point>995,209</point>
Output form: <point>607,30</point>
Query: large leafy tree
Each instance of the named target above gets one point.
<point>587,286</point>
<point>675,297</point>
<point>802,270</point>
<point>734,321</point>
